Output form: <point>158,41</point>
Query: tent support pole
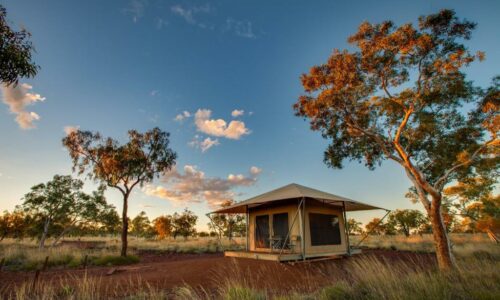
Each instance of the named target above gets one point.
<point>346,230</point>
<point>366,234</point>
<point>247,246</point>
<point>209,215</point>
<point>302,208</point>
<point>291,228</point>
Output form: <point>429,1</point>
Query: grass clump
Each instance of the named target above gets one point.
<point>237,292</point>
<point>339,290</point>
<point>377,279</point>
<point>115,260</point>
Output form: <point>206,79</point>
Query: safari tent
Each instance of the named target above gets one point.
<point>295,222</point>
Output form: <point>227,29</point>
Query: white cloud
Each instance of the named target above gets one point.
<point>135,9</point>
<point>240,28</point>
<point>154,93</point>
<point>193,186</point>
<point>218,127</point>
<point>70,129</point>
<point>255,171</point>
<point>17,97</point>
<point>184,115</point>
<point>236,113</point>
<point>205,144</point>
<point>189,13</point>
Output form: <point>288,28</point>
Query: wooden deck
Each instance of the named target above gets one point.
<point>285,256</point>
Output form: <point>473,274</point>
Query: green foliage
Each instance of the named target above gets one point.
<point>110,223</point>
<point>400,96</point>
<point>404,220</point>
<point>144,157</point>
<point>60,205</point>
<point>375,227</point>
<point>475,201</point>
<point>372,109</point>
<point>354,227</point>
<point>141,226</point>
<point>16,52</point>
<point>122,166</point>
<point>227,224</point>
<point>184,223</point>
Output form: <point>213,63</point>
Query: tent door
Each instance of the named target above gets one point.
<point>280,229</point>
<point>262,231</point>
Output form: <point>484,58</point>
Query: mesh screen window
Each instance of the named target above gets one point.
<point>280,225</point>
<point>325,229</point>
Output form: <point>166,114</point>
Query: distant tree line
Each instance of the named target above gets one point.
<point>469,207</point>
<point>60,208</point>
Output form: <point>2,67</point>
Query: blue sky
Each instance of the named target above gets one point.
<point>117,65</point>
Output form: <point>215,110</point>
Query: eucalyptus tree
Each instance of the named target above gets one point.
<point>402,95</point>
<point>142,158</point>
<point>163,226</point>
<point>406,219</point>
<point>62,203</point>
<point>16,51</point>
<point>183,224</point>
<point>88,209</point>
<point>141,226</point>
<point>354,227</point>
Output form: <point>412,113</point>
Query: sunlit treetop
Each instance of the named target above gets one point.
<point>401,96</point>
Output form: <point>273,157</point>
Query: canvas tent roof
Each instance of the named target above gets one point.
<point>292,191</point>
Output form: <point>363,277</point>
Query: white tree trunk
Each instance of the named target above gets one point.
<point>44,234</point>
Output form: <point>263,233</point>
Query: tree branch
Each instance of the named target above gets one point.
<point>421,193</point>
<point>441,181</point>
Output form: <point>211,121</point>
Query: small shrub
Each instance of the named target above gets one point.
<point>112,260</point>
<point>341,290</point>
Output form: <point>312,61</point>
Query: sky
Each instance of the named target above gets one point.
<point>220,76</point>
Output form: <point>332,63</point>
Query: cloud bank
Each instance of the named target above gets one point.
<point>194,187</point>
<point>218,127</point>
<point>18,97</point>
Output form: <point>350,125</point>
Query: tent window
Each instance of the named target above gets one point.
<point>325,229</point>
<point>280,228</point>
<point>262,231</point>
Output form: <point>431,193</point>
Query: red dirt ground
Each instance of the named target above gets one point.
<point>209,271</point>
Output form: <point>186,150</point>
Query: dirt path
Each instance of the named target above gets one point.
<point>209,271</point>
